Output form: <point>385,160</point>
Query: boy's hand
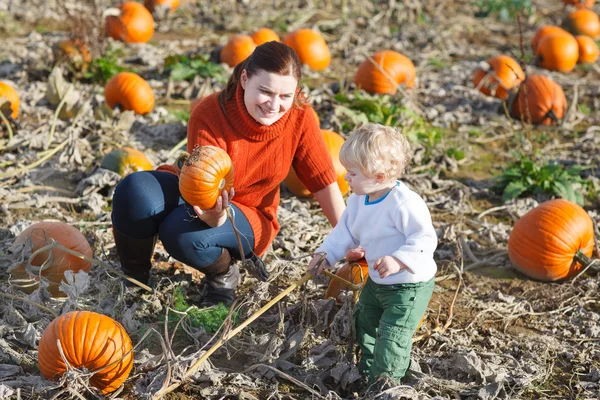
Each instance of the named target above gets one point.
<point>388,265</point>
<point>355,254</point>
<point>314,268</point>
<point>217,215</point>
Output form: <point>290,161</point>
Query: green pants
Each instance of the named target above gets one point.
<point>386,317</point>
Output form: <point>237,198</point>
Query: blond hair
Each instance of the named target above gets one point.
<point>376,149</point>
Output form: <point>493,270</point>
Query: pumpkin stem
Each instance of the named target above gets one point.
<point>550,114</point>
<point>581,258</point>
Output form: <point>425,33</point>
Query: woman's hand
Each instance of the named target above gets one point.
<point>314,268</point>
<point>388,265</point>
<point>217,215</point>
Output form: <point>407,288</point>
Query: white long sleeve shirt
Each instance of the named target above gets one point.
<point>399,225</point>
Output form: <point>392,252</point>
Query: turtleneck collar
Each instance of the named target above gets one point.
<point>243,123</point>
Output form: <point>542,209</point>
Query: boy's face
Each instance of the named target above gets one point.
<point>268,96</point>
<point>360,183</point>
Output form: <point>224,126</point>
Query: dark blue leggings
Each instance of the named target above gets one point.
<point>147,203</point>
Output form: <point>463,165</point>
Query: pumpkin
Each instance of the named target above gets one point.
<point>557,53</point>
<point>9,100</point>
<point>588,49</point>
<point>151,5</point>
<point>398,69</point>
<point>89,341</point>
<point>583,22</point>
<point>354,272</point>
<point>237,49</point>
<point>134,23</point>
<point>206,173</point>
<point>130,91</point>
<point>544,31</point>
<point>39,235</point>
<point>73,52</point>
<point>125,161</point>
<point>503,75</point>
<point>539,101</point>
<point>580,3</point>
<point>545,242</point>
<point>311,48</point>
<point>334,143</point>
<point>264,35</point>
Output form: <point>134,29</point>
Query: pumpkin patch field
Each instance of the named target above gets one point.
<point>500,100</point>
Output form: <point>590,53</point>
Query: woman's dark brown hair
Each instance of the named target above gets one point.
<point>274,57</point>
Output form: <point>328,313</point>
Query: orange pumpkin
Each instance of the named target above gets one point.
<point>544,242</point>
<point>334,143</point>
<point>151,5</point>
<point>398,70</point>
<point>588,49</point>
<point>74,52</point>
<point>206,173</point>
<point>544,31</point>
<point>503,75</point>
<point>354,272</point>
<point>580,3</point>
<point>125,161</point>
<point>583,22</point>
<point>134,24</point>
<point>130,91</point>
<point>539,101</point>
<point>237,49</point>
<point>311,48</point>
<point>9,100</point>
<point>89,341</point>
<point>40,235</point>
<point>557,53</point>
<point>264,35</point>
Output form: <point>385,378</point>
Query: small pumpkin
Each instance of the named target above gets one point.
<point>73,52</point>
<point>206,173</point>
<point>354,272</point>
<point>125,161</point>
<point>264,35</point>
<point>9,100</point>
<point>38,236</point>
<point>544,31</point>
<point>583,22</point>
<point>133,24</point>
<point>334,143</point>
<point>580,3</point>
<point>130,91</point>
<point>539,101</point>
<point>398,70</point>
<point>152,5</point>
<point>588,50</point>
<point>545,242</point>
<point>504,74</point>
<point>237,49</point>
<point>557,53</point>
<point>89,341</point>
<point>311,48</point>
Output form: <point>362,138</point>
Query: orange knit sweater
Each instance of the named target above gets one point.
<point>262,156</point>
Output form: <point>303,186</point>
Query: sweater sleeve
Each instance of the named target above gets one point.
<point>312,160</point>
<point>414,220</point>
<point>338,241</point>
<point>198,133</point>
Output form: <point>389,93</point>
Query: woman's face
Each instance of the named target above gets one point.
<point>267,95</point>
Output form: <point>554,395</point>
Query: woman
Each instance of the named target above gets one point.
<point>263,121</point>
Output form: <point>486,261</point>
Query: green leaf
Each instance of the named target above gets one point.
<point>513,190</point>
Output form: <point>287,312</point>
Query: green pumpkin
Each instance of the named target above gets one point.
<point>125,161</point>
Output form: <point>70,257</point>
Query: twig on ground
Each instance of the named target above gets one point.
<point>288,377</point>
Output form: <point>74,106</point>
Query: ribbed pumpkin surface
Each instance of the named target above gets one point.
<point>205,175</point>
<point>40,235</point>
<point>354,272</point>
<point>504,74</point>
<point>544,241</point>
<point>134,25</point>
<point>130,91</point>
<point>12,97</point>
<point>540,98</point>
<point>398,68</point>
<point>89,340</point>
<point>126,160</point>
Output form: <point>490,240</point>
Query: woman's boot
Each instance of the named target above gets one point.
<point>135,255</point>
<point>221,280</point>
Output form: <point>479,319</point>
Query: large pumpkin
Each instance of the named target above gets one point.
<point>539,101</point>
<point>206,173</point>
<point>237,49</point>
<point>334,143</point>
<point>583,22</point>
<point>588,50</point>
<point>504,74</point>
<point>544,31</point>
<point>354,272</point>
<point>581,3</point>
<point>544,242</point>
<point>130,91</point>
<point>89,341</point>
<point>125,161</point>
<point>311,48</point>
<point>397,69</point>
<point>134,24</point>
<point>264,35</point>
<point>9,100</point>
<point>557,53</point>
<point>40,235</point>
